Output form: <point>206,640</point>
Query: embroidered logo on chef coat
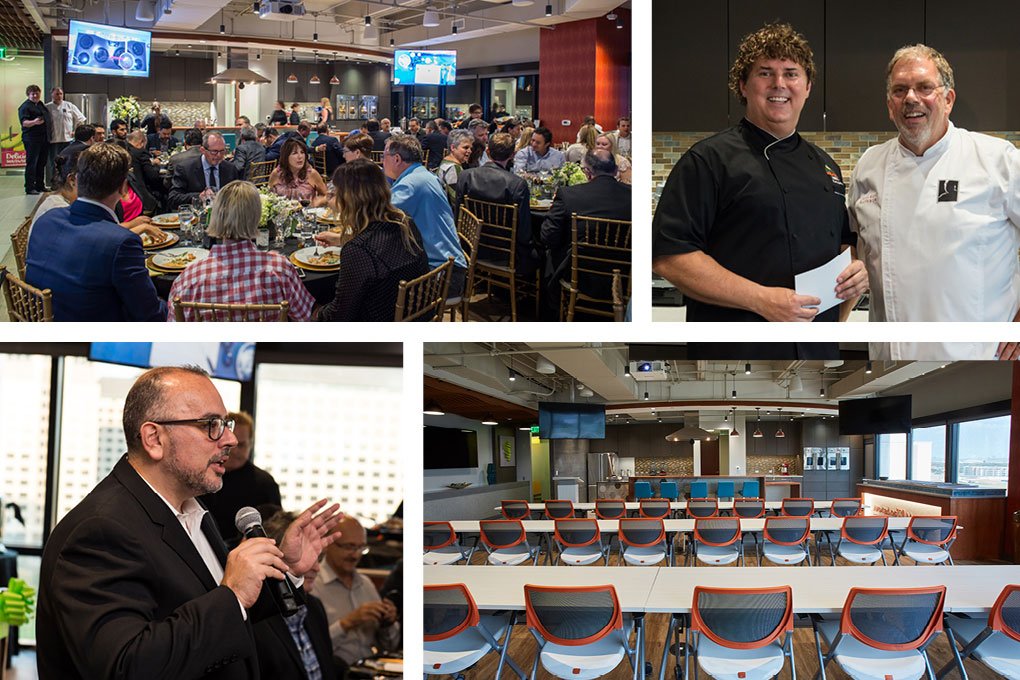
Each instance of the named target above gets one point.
<point>948,189</point>
<point>833,176</point>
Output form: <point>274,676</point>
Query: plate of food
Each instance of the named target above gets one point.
<point>167,221</point>
<point>325,258</point>
<point>541,203</point>
<point>177,259</point>
<point>164,239</point>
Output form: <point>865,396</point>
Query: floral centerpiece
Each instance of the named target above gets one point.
<point>568,174</point>
<point>126,108</point>
<point>279,211</point>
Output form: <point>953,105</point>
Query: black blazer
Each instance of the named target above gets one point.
<point>334,152</point>
<point>189,180</point>
<point>141,161</point>
<point>124,593</point>
<point>278,656</point>
<point>491,182</point>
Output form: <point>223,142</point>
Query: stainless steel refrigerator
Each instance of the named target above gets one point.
<point>602,467</point>
<point>92,106</point>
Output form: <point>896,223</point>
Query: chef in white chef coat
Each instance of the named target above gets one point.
<point>937,212</point>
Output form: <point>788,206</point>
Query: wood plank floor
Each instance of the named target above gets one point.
<point>523,646</point>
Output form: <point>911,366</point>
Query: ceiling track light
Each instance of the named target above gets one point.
<point>548,10</point>
<point>392,43</point>
<point>368,20</point>
<point>747,368</point>
<point>619,22</point>
<point>867,367</point>
<point>455,29</point>
<point>646,396</point>
<point>223,28</point>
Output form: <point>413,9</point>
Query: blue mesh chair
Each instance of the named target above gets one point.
<point>642,490</point>
<point>698,490</point>
<point>750,490</point>
<point>725,490</point>
<point>670,490</point>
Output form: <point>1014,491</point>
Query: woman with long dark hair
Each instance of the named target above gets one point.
<point>294,177</point>
<point>385,249</point>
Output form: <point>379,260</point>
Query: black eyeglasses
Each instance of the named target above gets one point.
<point>215,426</point>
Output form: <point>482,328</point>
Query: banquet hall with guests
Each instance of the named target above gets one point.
<point>490,196</point>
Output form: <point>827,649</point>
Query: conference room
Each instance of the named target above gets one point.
<point>627,510</point>
<point>81,519</point>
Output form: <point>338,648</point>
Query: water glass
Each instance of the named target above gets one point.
<point>186,216</point>
<point>262,239</point>
<point>307,225</point>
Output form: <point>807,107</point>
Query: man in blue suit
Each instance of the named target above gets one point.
<point>94,266</point>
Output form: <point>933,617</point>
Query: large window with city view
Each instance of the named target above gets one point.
<point>982,451</point>
<point>928,453</point>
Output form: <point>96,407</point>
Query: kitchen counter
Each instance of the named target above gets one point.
<point>684,482</point>
<point>778,487</point>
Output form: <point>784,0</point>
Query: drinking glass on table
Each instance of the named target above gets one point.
<point>186,215</point>
<point>307,226</point>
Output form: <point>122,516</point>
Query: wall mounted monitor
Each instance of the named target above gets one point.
<point>558,420</point>
<point>107,50</point>
<point>228,360</point>
<point>878,415</point>
<point>450,447</point>
<point>417,67</point>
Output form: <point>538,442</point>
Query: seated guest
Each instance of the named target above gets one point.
<point>385,250</point>
<point>145,172</point>
<point>334,149</point>
<point>155,120</point>
<point>163,141</point>
<point>358,146</point>
<point>621,136</point>
<point>493,182</point>
<point>235,271</point>
<point>242,121</point>
<point>358,618</point>
<point>444,126</point>
<point>607,142</point>
<point>100,133</point>
<point>274,141</point>
<point>83,136</point>
<point>296,647</point>
<point>602,196</point>
<point>378,135</point>
<point>95,267</point>
<point>450,168</point>
<point>119,129</point>
<point>294,177</point>
<point>304,130</point>
<point>192,149</point>
<point>414,128</point>
<point>202,177</point>
<point>418,193</point>
<point>589,121</point>
<point>540,155</point>
<point>295,114</point>
<point>480,132</point>
<point>248,151</point>
<point>384,125</point>
<point>513,128</point>
<point>279,115</point>
<point>585,143</point>
<point>435,142</point>
<point>524,141</point>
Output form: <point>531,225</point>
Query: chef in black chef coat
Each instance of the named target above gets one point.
<point>747,209</point>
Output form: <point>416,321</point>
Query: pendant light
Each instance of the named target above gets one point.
<point>779,433</point>
<point>733,432</point>
<point>757,429</point>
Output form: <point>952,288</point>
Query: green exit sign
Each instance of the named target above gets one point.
<point>534,429</point>
<point>3,52</point>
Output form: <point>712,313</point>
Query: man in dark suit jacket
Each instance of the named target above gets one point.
<point>142,166</point>
<point>94,266</point>
<point>161,142</point>
<point>203,176</point>
<point>378,136</point>
<point>135,580</point>
<point>493,182</point>
<point>334,149</point>
<point>602,196</point>
<point>435,141</point>
<point>248,151</point>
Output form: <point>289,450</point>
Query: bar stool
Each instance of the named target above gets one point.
<point>698,490</point>
<point>750,490</point>
<point>670,490</point>
<point>725,490</point>
<point>642,490</point>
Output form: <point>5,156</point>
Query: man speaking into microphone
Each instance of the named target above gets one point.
<point>136,581</point>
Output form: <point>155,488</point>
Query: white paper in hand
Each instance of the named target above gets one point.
<point>820,282</point>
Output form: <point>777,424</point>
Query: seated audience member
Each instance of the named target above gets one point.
<point>378,135</point>
<point>297,647</point>
<point>450,168</point>
<point>384,125</point>
<point>493,182</point>
<point>304,130</point>
<point>202,177</point>
<point>248,151</point>
<point>414,128</point>
<point>385,250</point>
<point>334,149</point>
<point>621,137</point>
<point>589,121</point>
<point>445,126</point>
<point>274,141</point>
<point>235,271</point>
<point>279,115</point>
<point>192,149</point>
<point>524,141</point>
<point>243,482</point>
<point>539,155</point>
<point>418,193</point>
<point>100,133</point>
<point>513,128</point>
<point>295,178</point>
<point>146,174</point>
<point>358,618</point>
<point>602,196</point>
<point>607,142</point>
<point>358,146</point>
<point>435,142</point>
<point>119,129</point>
<point>162,142</point>
<point>83,136</point>
<point>585,143</point>
<point>479,130</point>
<point>95,267</point>
<point>242,121</point>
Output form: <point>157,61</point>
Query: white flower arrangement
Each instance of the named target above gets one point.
<point>126,109</point>
<point>278,210</point>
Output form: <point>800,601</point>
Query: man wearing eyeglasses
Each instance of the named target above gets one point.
<point>135,580</point>
<point>937,211</point>
<point>358,618</point>
<point>202,177</point>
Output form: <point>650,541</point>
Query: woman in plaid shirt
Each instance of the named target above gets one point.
<point>235,272</point>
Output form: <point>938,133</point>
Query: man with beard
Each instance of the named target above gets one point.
<point>937,212</point>
<point>136,581</point>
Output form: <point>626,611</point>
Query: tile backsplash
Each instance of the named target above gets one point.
<point>772,465</point>
<point>669,466</point>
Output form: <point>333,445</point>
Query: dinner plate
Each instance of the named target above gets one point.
<point>167,221</point>
<point>542,203</point>
<point>177,259</point>
<point>307,259</point>
<point>169,238</point>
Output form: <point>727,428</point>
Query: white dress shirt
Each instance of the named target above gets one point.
<point>65,117</point>
<point>339,601</point>
<point>939,235</point>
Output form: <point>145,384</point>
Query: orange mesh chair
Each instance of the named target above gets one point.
<point>928,540</point>
<point>740,632</point>
<point>785,540</point>
<point>441,547</point>
<point>607,508</point>
<point>506,542</point>
<point>643,542</point>
<point>559,509</point>
<point>457,636</point>
<point>654,508</point>
<point>797,507</point>
<point>703,508</point>
<point>580,630</point>
<point>749,508</point>
<point>841,507</point>
<point>995,642</point>
<point>515,510</point>
<point>716,541</point>
<point>883,633</point>
<point>861,540</point>
<point>580,542</point>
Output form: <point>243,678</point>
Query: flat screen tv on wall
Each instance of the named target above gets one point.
<point>107,50</point>
<point>878,415</point>
<point>450,447</point>
<point>560,420</point>
<point>419,67</point>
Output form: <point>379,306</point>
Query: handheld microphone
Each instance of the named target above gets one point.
<point>249,522</point>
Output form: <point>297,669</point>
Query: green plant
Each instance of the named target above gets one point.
<point>126,108</point>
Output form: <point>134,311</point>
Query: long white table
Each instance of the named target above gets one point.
<point>547,526</point>
<point>772,506</point>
